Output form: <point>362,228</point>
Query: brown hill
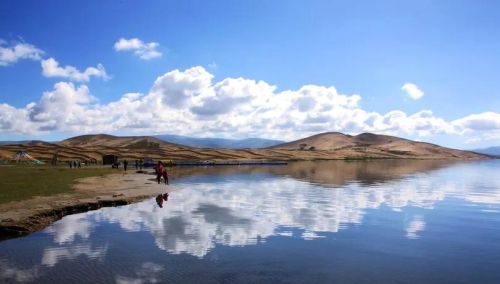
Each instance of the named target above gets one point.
<point>374,145</point>
<point>99,140</point>
<point>318,147</point>
<point>323,141</point>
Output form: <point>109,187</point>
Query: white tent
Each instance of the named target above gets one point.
<point>23,156</point>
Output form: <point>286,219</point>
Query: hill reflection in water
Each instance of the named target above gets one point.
<point>328,173</point>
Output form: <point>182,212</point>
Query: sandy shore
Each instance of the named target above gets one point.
<point>20,218</point>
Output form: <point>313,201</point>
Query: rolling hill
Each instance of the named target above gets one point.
<point>146,142</point>
<point>373,145</point>
<point>322,146</point>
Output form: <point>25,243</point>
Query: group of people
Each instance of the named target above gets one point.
<point>75,164</point>
<point>161,172</point>
<point>138,164</point>
<point>78,164</point>
<point>160,169</point>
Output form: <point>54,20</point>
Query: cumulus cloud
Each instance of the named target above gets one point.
<point>11,54</point>
<point>51,68</point>
<point>178,88</point>
<point>141,49</point>
<point>190,102</point>
<point>481,121</point>
<point>479,127</point>
<point>412,91</point>
<point>61,106</point>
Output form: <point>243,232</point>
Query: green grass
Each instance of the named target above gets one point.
<point>19,182</point>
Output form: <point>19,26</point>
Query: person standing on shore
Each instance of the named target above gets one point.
<point>161,171</point>
<point>125,164</point>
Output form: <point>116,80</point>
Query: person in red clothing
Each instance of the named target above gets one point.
<point>161,171</point>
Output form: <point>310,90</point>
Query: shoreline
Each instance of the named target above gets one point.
<point>20,218</point>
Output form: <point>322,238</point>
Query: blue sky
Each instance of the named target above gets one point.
<point>367,51</point>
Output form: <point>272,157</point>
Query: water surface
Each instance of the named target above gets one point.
<point>307,222</point>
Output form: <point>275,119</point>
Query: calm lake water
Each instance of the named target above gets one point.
<point>307,222</point>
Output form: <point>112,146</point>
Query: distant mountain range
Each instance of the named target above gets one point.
<point>219,142</point>
<point>15,142</point>
<point>494,151</point>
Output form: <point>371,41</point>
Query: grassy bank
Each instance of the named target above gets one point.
<point>20,182</point>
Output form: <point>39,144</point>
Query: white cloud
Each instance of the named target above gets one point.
<point>412,91</point>
<point>141,49</point>
<point>66,103</point>
<point>177,89</point>
<point>190,102</point>
<point>480,121</point>
<point>51,68</point>
<point>11,54</point>
<point>16,120</point>
<point>479,127</point>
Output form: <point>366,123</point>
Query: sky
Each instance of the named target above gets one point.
<point>423,70</point>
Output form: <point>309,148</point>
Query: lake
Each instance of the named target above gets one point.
<point>306,222</point>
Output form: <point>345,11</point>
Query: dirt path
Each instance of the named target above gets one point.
<point>20,218</point>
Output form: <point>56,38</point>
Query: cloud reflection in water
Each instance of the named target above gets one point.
<point>239,210</point>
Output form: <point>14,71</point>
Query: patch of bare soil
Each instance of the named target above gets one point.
<point>20,218</point>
